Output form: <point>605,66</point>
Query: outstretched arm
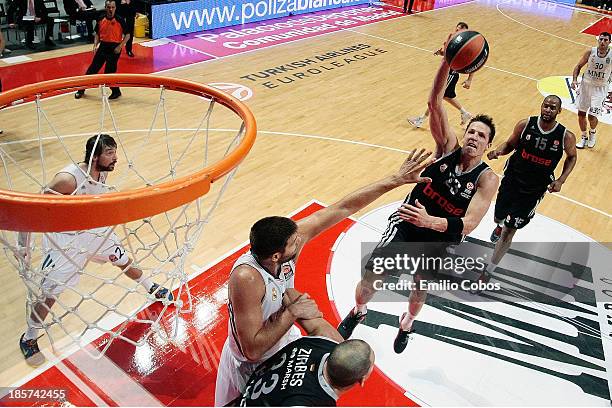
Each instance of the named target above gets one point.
<point>325,218</point>
<point>443,134</point>
<point>571,157</point>
<point>509,145</point>
<point>417,214</point>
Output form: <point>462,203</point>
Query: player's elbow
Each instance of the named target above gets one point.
<point>252,353</point>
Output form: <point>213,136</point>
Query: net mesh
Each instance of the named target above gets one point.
<point>97,292</point>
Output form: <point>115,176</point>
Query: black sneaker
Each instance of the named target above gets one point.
<point>161,293</point>
<point>346,326</point>
<point>79,94</point>
<point>31,352</point>
<point>496,234</point>
<point>401,340</point>
<point>49,42</point>
<point>114,95</point>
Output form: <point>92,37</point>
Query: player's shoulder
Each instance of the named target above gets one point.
<point>245,272</point>
<point>488,179</point>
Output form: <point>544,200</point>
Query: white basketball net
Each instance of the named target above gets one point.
<point>105,301</point>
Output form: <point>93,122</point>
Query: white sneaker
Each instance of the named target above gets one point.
<point>592,139</point>
<point>465,117</point>
<point>583,142</point>
<point>416,122</point>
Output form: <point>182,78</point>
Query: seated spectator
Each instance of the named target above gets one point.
<point>82,10</point>
<point>26,14</point>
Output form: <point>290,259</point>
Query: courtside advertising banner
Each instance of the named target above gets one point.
<point>192,16</point>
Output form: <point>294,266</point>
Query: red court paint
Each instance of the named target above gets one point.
<point>183,373</point>
<point>603,24</point>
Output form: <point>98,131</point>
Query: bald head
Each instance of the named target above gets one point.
<point>349,363</point>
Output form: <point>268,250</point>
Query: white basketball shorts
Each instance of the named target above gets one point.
<point>233,374</point>
<point>591,98</point>
<point>66,254</point>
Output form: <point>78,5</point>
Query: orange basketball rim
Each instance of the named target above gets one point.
<point>31,212</point>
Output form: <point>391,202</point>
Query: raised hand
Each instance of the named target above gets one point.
<point>411,169</point>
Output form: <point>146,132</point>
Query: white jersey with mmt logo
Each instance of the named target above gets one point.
<point>598,69</point>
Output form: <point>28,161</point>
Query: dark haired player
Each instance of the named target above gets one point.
<point>537,143</point>
<point>442,210</point>
<point>594,88</point>
<point>62,267</point>
<point>259,325</point>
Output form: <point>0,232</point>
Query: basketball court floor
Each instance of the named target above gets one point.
<point>331,105</point>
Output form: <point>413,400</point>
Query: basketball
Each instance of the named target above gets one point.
<point>467,52</point>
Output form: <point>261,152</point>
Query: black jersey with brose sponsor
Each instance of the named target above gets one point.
<point>532,165</point>
<point>448,195</point>
<point>293,377</point>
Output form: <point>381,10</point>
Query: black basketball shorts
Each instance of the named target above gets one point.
<point>451,84</point>
<point>514,206</point>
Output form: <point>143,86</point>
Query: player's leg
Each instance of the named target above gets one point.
<point>105,246</point>
<point>227,388</point>
<point>583,104</point>
<point>519,215</point>
<point>418,121</point>
<point>28,343</point>
<point>503,206</point>
<point>416,300</point>
<point>450,96</point>
<point>502,245</point>
<point>60,269</point>
<point>364,292</point>
<point>597,107</point>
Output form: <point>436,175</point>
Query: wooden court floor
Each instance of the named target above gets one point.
<point>326,134</point>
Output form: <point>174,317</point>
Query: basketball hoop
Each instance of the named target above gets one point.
<point>157,215</point>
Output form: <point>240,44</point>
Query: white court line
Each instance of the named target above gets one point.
<point>193,49</point>
<point>117,384</point>
<point>316,137</point>
<point>591,25</point>
<point>431,52</point>
<point>533,28</point>
<point>83,387</point>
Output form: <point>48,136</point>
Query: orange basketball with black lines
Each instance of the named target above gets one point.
<point>467,52</point>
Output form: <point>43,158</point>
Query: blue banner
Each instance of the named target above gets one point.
<point>192,16</point>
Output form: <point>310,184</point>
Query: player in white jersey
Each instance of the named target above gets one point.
<point>67,253</point>
<point>261,316</point>
<point>594,88</point>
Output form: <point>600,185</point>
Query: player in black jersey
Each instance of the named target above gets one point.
<point>311,371</point>
<point>450,94</point>
<point>537,144</point>
<point>440,211</point>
